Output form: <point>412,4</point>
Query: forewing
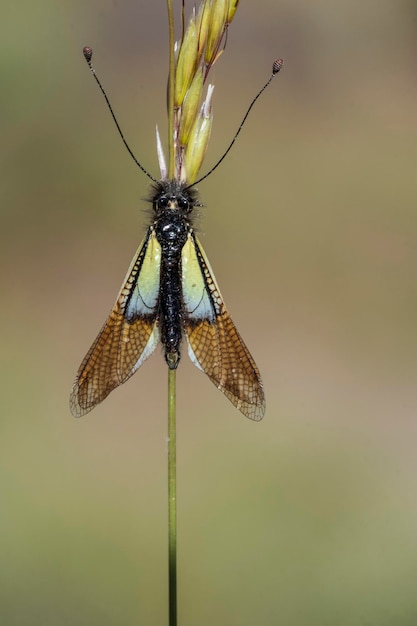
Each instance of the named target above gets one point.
<point>214,344</point>
<point>128,337</point>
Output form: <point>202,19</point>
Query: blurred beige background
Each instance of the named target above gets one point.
<point>308,518</point>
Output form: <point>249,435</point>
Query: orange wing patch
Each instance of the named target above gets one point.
<point>214,344</point>
<point>128,337</point>
<point>119,350</point>
<point>218,349</point>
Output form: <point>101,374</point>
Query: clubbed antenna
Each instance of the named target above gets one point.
<point>276,66</point>
<point>88,54</point>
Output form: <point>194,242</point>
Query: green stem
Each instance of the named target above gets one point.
<point>172,436</point>
<point>172,498</point>
<point>171,92</point>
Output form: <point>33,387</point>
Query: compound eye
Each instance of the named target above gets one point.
<point>183,203</point>
<point>162,202</point>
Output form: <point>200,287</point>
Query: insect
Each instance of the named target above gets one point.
<point>170,295</point>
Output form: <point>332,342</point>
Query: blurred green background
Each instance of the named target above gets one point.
<point>309,517</point>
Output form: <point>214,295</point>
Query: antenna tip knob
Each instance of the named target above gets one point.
<point>88,53</point>
<point>277,65</point>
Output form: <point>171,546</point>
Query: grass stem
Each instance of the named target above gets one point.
<point>172,498</point>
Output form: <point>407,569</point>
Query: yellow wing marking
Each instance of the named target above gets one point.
<point>128,337</point>
<point>214,344</point>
